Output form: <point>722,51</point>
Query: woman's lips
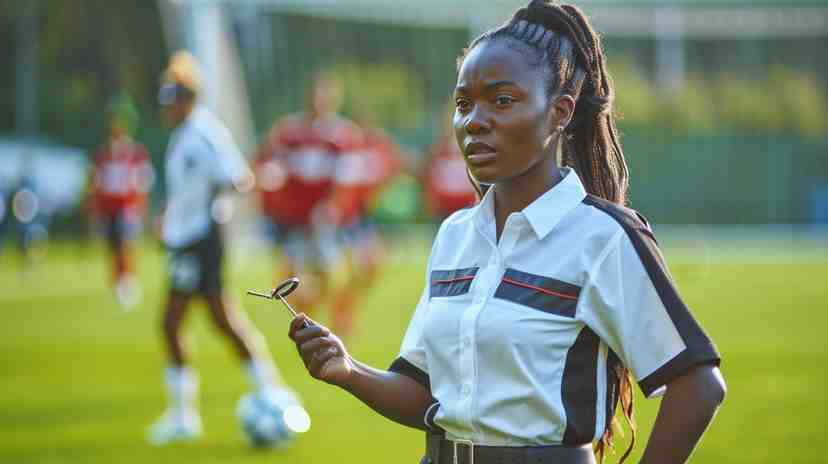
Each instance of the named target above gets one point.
<point>481,158</point>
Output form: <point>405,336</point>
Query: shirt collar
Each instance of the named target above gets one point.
<point>484,214</point>
<point>546,211</point>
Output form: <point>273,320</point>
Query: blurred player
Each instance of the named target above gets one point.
<point>301,163</point>
<point>202,161</point>
<point>362,173</point>
<point>121,180</point>
<point>445,179</point>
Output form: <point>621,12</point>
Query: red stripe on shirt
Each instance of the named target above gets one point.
<point>540,289</point>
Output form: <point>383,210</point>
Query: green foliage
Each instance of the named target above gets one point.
<point>786,101</point>
<point>390,94</point>
<point>690,110</point>
<point>801,101</point>
<point>745,105</point>
<point>89,51</point>
<point>635,104</point>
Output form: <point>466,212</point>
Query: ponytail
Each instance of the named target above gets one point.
<point>592,142</point>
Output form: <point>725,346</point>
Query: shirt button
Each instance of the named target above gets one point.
<point>465,390</point>
<point>466,342</point>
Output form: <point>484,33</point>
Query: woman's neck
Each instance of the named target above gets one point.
<point>516,194</point>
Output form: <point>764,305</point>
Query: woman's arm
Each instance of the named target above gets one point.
<point>393,395</point>
<point>687,409</point>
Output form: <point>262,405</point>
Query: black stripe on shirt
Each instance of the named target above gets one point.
<point>613,387</point>
<point>402,366</point>
<point>700,349</point>
<point>677,366</point>
<point>452,282</point>
<point>579,388</point>
<point>539,292</point>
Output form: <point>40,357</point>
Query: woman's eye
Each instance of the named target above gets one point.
<point>503,100</point>
<point>462,105</point>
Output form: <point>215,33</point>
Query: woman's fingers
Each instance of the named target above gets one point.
<point>295,325</point>
<point>311,333</point>
<point>313,345</point>
<point>317,346</point>
<point>301,332</point>
<point>319,358</point>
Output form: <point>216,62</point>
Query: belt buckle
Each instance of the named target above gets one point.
<point>462,442</point>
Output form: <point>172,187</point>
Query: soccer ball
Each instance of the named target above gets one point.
<point>271,417</point>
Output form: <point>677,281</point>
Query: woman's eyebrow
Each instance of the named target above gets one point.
<point>488,86</point>
<point>498,84</point>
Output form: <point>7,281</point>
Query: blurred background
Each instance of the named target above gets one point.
<point>723,111</point>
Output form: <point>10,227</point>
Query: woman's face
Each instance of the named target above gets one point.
<point>502,118</point>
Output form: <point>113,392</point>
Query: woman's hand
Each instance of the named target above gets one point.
<point>395,396</point>
<point>323,353</point>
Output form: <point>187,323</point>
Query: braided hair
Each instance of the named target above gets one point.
<point>560,41</point>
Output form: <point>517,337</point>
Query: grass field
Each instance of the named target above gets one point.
<point>80,380</point>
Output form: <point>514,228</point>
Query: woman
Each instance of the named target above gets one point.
<point>545,297</point>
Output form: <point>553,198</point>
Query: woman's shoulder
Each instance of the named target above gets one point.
<point>613,217</point>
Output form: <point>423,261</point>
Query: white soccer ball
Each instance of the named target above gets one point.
<point>271,417</point>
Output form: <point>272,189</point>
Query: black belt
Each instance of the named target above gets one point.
<point>442,451</point>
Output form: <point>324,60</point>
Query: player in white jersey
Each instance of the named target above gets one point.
<point>202,161</point>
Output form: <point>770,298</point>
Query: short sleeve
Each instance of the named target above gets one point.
<point>632,304</point>
<point>412,360</point>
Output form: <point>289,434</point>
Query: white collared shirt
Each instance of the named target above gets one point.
<point>202,158</point>
<point>516,338</point>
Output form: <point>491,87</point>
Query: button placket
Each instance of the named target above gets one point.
<point>486,284</point>
<point>485,279</point>
<point>510,234</point>
<point>466,335</point>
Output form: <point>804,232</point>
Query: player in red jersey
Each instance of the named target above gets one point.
<point>362,173</point>
<point>297,171</point>
<point>122,178</point>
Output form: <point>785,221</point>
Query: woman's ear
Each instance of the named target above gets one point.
<point>563,109</point>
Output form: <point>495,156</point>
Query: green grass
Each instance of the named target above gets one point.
<point>80,380</point>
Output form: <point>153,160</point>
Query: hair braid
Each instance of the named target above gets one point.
<point>598,95</point>
<point>561,40</point>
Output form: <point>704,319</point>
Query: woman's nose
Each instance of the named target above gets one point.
<point>476,122</point>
